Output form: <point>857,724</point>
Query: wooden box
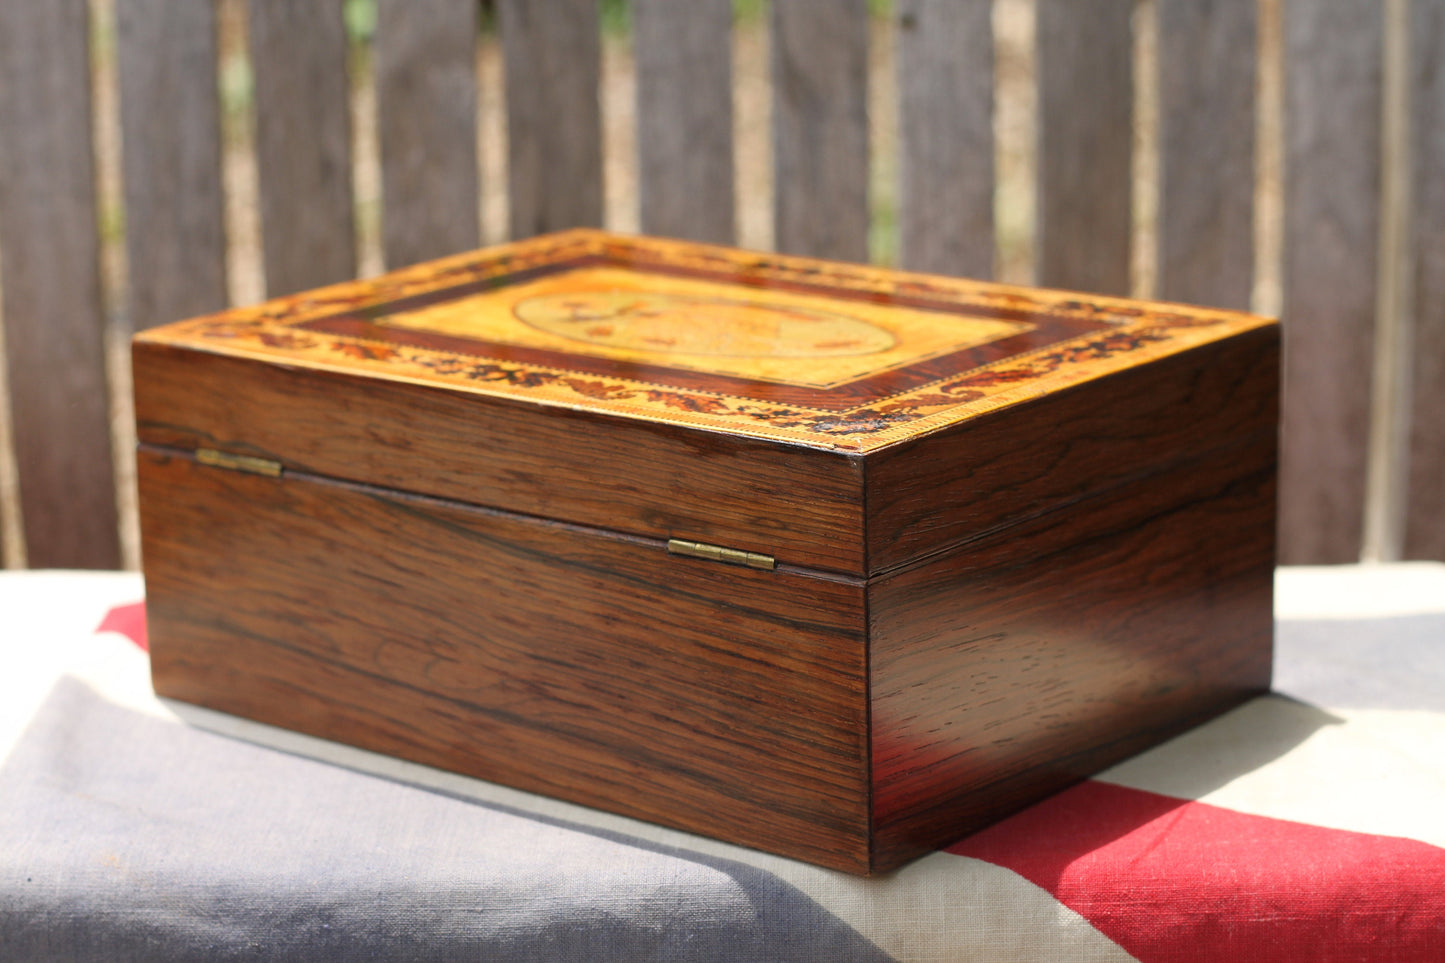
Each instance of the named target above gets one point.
<point>831,561</point>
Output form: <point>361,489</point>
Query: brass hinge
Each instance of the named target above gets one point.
<point>717,553</point>
<point>246,463</point>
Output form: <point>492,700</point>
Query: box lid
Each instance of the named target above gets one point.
<point>658,388</point>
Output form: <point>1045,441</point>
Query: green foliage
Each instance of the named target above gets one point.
<point>748,11</point>
<point>360,17</point>
<point>237,88</point>
<point>616,16</point>
<point>751,11</point>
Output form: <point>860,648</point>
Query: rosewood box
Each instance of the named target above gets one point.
<point>836,562</point>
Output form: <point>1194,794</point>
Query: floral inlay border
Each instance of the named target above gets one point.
<point>1120,334</point>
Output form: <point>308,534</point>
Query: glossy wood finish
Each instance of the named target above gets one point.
<point>577,662</point>
<point>426,103</point>
<point>553,58</point>
<point>1207,55</point>
<point>820,128</point>
<point>49,253</point>
<point>303,142</point>
<point>839,357</point>
<point>1425,516</point>
<point>653,368</point>
<point>1036,657</point>
<point>1021,462</point>
<point>685,118</point>
<point>945,130</point>
<point>1003,562</point>
<point>1333,51</point>
<point>1085,136</point>
<point>798,504</point>
<point>715,699</point>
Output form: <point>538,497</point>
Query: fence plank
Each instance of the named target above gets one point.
<point>426,98</point>
<point>1332,205</point>
<point>552,54</point>
<point>820,128</point>
<point>1425,508</point>
<point>303,142</point>
<point>945,134</point>
<point>175,233</point>
<point>1207,54</point>
<point>1085,58</point>
<point>685,118</point>
<point>53,319</point>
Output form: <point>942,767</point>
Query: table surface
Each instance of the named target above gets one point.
<point>1308,824</point>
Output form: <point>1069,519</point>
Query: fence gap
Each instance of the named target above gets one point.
<point>883,149</point>
<point>1015,129</point>
<point>1265,296</point>
<point>239,176</point>
<point>752,129</point>
<point>1144,159</point>
<point>618,106</point>
<point>492,202</point>
<point>363,20</point>
<point>107,94</point>
<point>12,530</point>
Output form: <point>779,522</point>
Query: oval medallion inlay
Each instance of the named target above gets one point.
<point>718,327</point>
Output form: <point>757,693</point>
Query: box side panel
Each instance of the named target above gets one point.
<point>1043,654</point>
<point>601,670</point>
<point>802,505</point>
<point>1009,465</point>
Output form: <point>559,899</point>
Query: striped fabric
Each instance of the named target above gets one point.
<point>1306,825</point>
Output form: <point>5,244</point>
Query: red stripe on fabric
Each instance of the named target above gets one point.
<point>129,621</point>
<point>1171,880</point>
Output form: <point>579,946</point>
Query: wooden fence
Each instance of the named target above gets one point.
<point>1363,153</point>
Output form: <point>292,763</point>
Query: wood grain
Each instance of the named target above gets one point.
<point>685,118</point>
<point>551,50</point>
<point>945,133</point>
<point>1062,645</point>
<point>52,312</point>
<point>820,128</point>
<point>711,698</point>
<point>1085,58</point>
<point>661,481</point>
<point>303,142</point>
<point>1207,54</point>
<point>474,577</point>
<point>460,360</point>
<point>1425,509</point>
<point>433,631</point>
<point>426,101</point>
<point>1023,461</point>
<point>1331,236</point>
<point>175,238</point>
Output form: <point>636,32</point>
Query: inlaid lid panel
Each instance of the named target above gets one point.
<point>806,352</point>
